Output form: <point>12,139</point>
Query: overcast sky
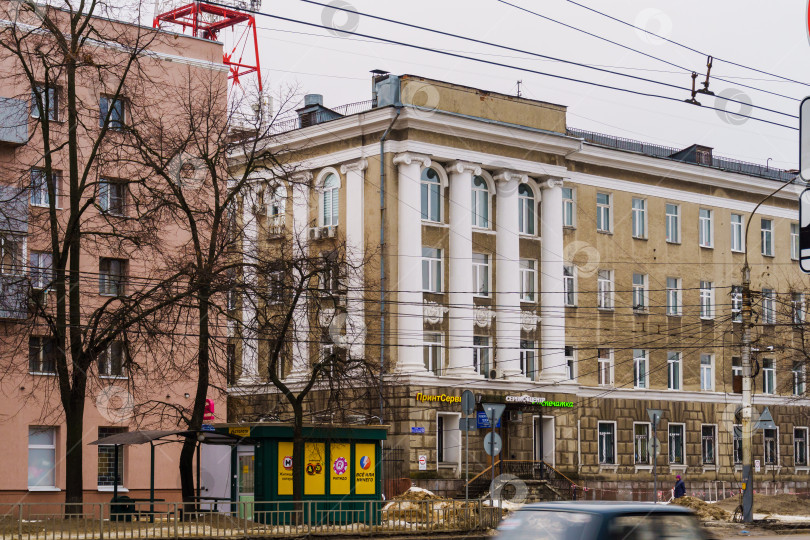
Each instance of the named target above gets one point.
<point>769,36</point>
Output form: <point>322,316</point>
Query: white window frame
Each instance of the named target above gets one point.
<point>275,288</point>
<point>639,217</point>
<point>527,211</point>
<point>106,102</point>
<point>644,446</point>
<point>641,369</point>
<point>569,207</point>
<point>50,447</point>
<point>570,285</point>
<point>614,444</point>
<point>674,370</point>
<point>604,213</point>
<point>570,355</point>
<point>736,303</point>
<point>765,448</point>
<point>794,241</point>
<point>674,297</point>
<point>110,284</point>
<point>769,376</point>
<point>713,462</point>
<point>51,99</point>
<point>452,439</point>
<point>481,200</point>
<point>528,280</point>
<point>528,358</point>
<point>481,271</point>
<point>40,269</point>
<point>641,300</point>
<point>707,373</point>
<point>604,289</point>
<point>39,188</point>
<point>478,349</point>
<point>105,364</point>
<point>707,300</point>
<point>736,442</point>
<point>105,197</point>
<point>805,461</point>
<point>683,444</point>
<point>434,189</point>
<point>433,264</point>
<point>433,352</point>
<point>799,375</point>
<point>333,217</point>
<point>673,223</point>
<point>799,308</point>
<point>768,306</point>
<point>706,228</point>
<point>737,236</point>
<point>604,367</point>
<point>41,342</point>
<point>766,228</point>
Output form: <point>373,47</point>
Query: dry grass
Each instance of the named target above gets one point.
<point>704,510</point>
<point>786,505</point>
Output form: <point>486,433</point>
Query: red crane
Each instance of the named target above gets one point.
<point>206,21</point>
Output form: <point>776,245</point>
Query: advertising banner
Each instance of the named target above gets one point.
<point>285,468</point>
<point>339,468</point>
<point>314,469</point>
<point>364,470</point>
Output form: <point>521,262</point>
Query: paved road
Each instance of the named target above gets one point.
<point>772,537</point>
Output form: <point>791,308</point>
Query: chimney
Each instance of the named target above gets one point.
<point>313,99</point>
<point>376,76</point>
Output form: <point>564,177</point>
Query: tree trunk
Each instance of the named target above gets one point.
<point>299,459</point>
<point>74,426</point>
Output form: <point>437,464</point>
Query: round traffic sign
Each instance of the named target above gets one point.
<point>654,446</point>
<point>493,446</point>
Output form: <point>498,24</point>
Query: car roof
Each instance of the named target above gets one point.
<point>608,507</point>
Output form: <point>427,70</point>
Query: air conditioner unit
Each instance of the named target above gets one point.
<point>314,233</point>
<point>332,231</point>
<point>325,232</point>
<point>495,373</point>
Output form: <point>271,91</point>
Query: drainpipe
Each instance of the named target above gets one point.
<point>398,107</point>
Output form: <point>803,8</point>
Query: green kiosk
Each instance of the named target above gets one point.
<point>341,471</point>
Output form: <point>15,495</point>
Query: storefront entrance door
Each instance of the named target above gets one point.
<point>544,439</point>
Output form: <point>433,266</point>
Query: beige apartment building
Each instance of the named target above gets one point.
<point>579,278</point>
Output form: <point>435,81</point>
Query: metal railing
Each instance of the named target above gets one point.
<point>320,117</point>
<point>562,487</point>
<point>137,520</point>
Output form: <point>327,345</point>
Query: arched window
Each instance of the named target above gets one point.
<point>480,202</point>
<point>329,201</point>
<point>526,209</point>
<point>431,195</point>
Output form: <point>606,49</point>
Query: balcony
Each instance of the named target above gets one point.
<point>13,122</point>
<point>13,296</point>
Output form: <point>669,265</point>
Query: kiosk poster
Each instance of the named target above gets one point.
<point>314,465</point>
<point>285,468</point>
<point>364,470</point>
<point>339,469</point>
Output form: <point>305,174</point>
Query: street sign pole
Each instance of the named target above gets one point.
<point>468,408</point>
<point>494,412</point>
<point>655,458</point>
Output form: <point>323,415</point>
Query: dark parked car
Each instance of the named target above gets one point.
<point>601,521</point>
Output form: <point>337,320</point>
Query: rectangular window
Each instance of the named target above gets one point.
<point>528,280</point>
<point>49,99</point>
<point>707,372</point>
<point>771,438</point>
<point>568,206</point>
<point>736,303</point>
<point>41,457</point>
<point>706,300</point>
<point>40,270</point>
<point>482,353</point>
<point>11,250</point>
<point>794,241</point>
<point>736,374</point>
<point>431,270</point>
<point>569,285</point>
<point>116,108</point>
<point>39,187</point>
<point>275,289</point>
<point>708,444</point>
<point>605,366</point>
<point>674,304</point>
<point>737,233</point>
<point>639,368</point>
<point>603,210</point>
<point>737,445</point>
<point>42,354</point>
<point>640,301</point>
<point>528,359</point>
<point>570,363</point>
<point>676,444</point>
<point>111,361</point>
<point>768,376</point>
<point>112,275</point>
<point>673,223</point>
<point>800,447</point>
<point>111,195</point>
<point>797,304</point>
<point>432,351</point>
<point>768,306</point>
<point>604,289</point>
<point>766,229</point>
<point>674,370</point>
<point>705,229</point>
<point>799,379</point>
<point>641,443</point>
<point>639,218</point>
<point>106,459</point>
<point>607,443</point>
<point>480,271</point>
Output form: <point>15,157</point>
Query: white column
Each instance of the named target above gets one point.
<point>409,263</point>
<point>355,250</point>
<point>552,306</point>
<point>250,239</point>
<point>507,274</point>
<point>300,186</point>
<point>460,284</point>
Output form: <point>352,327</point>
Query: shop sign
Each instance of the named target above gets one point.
<point>241,431</point>
<point>482,421</point>
<point>364,470</point>
<point>538,401</point>
<point>422,463</point>
<point>444,398</point>
<point>285,465</point>
<point>417,430</point>
<point>339,471</point>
